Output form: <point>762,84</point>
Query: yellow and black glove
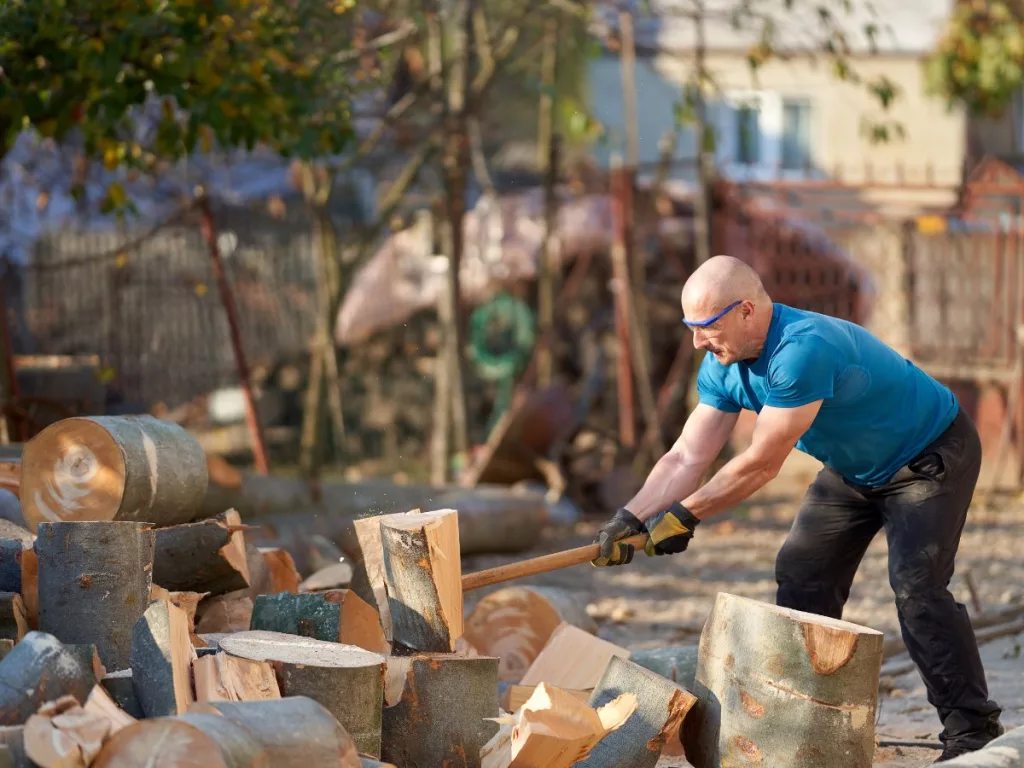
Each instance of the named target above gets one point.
<point>670,531</point>
<point>622,526</point>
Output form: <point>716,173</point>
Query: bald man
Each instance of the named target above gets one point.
<point>898,453</point>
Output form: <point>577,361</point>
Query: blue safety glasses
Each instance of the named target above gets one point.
<point>709,321</point>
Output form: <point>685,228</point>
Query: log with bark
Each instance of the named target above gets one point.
<point>770,681</point>
<point>678,663</point>
<point>39,669</point>
<point>662,707</point>
<point>94,583</point>
<point>10,563</point>
<point>423,578</point>
<point>207,556</point>
<point>121,688</point>
<point>515,623</point>
<point>437,710</point>
<point>347,680</point>
<point>124,468</point>
<point>223,677</point>
<point>13,624</point>
<point>339,616</point>
<point>161,660</point>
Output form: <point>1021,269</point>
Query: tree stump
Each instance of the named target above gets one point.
<point>783,687</point>
<point>515,623</point>
<point>39,669</point>
<point>295,732</point>
<point>208,556</point>
<point>437,709</point>
<point>423,577</point>
<point>161,660</point>
<point>348,681</point>
<point>94,584</point>
<point>338,615</point>
<point>126,468</point>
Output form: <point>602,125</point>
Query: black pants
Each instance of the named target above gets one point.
<point>922,509</point>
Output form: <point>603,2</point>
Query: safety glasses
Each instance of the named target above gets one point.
<point>714,319</point>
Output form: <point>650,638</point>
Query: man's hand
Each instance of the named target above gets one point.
<point>670,531</point>
<point>622,526</point>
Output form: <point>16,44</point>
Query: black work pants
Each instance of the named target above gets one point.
<point>922,509</point>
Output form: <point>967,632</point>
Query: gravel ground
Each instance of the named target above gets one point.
<point>663,601</point>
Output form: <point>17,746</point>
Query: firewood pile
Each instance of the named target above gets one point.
<point>139,633</point>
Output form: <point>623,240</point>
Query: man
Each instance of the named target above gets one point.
<point>898,455</point>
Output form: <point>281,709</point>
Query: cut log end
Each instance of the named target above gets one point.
<point>160,743</point>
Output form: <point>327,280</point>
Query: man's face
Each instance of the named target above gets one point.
<point>727,335</point>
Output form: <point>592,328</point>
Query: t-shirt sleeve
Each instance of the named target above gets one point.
<point>710,387</point>
<point>803,369</point>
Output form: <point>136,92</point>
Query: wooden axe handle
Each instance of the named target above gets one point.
<point>541,564</point>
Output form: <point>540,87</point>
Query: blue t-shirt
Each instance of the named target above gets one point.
<point>879,409</point>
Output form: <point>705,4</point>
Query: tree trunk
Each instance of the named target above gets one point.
<point>515,623</point>
<point>124,468</point>
<point>39,669</point>
<point>94,584</point>
<point>208,556</point>
<point>161,660</point>
<point>437,709</point>
<point>771,681</point>
<point>348,681</point>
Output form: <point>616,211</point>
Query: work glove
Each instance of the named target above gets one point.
<point>622,526</point>
<point>670,531</point>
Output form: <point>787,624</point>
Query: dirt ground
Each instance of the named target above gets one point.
<point>665,600</point>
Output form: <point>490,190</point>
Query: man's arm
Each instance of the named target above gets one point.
<point>776,432</point>
<point>677,474</point>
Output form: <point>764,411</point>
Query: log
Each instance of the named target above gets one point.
<point>677,663</point>
<point>39,669</point>
<point>662,707</point>
<point>13,624</point>
<point>515,623</point>
<point>94,583</point>
<point>163,743</point>
<point>237,747</point>
<point>437,709</point>
<point>554,729</point>
<point>121,688</point>
<point>10,563</point>
<point>125,468</point>
<point>348,681</point>
<point>770,681</point>
<point>208,556</point>
<point>572,659</point>
<point>423,577</point>
<point>339,616</point>
<point>1006,751</point>
<point>222,677</point>
<point>284,576</point>
<point>295,732</point>
<point>161,660</point>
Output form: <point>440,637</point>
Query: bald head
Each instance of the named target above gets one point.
<point>726,305</point>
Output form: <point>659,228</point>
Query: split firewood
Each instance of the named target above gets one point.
<point>223,677</point>
<point>572,659</point>
<point>188,602</point>
<point>337,615</point>
<point>515,623</point>
<point>62,734</point>
<point>126,468</point>
<point>662,707</point>
<point>12,742</point>
<point>423,576</point>
<point>347,680</point>
<point>161,660</point>
<point>773,680</point>
<point>333,576</point>
<point>94,583</point>
<point>440,709</point>
<point>367,531</point>
<point>99,703</point>
<point>121,689</point>
<point>284,576</point>
<point>294,732</point>
<point>39,669</point>
<point>677,663</point>
<point>517,695</point>
<point>207,556</point>
<point>30,585</point>
<point>223,616</point>
<point>554,729</point>
<point>13,624</point>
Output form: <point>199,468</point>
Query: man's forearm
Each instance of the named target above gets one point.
<point>671,479</point>
<point>737,480</point>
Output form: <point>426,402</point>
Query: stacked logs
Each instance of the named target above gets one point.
<point>136,634</point>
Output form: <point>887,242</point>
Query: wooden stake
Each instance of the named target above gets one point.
<point>208,556</point>
<point>161,660</point>
<point>94,583</point>
<point>347,680</point>
<point>771,681</point>
<point>124,468</point>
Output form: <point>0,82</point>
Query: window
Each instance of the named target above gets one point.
<point>748,135</point>
<point>796,134</point>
